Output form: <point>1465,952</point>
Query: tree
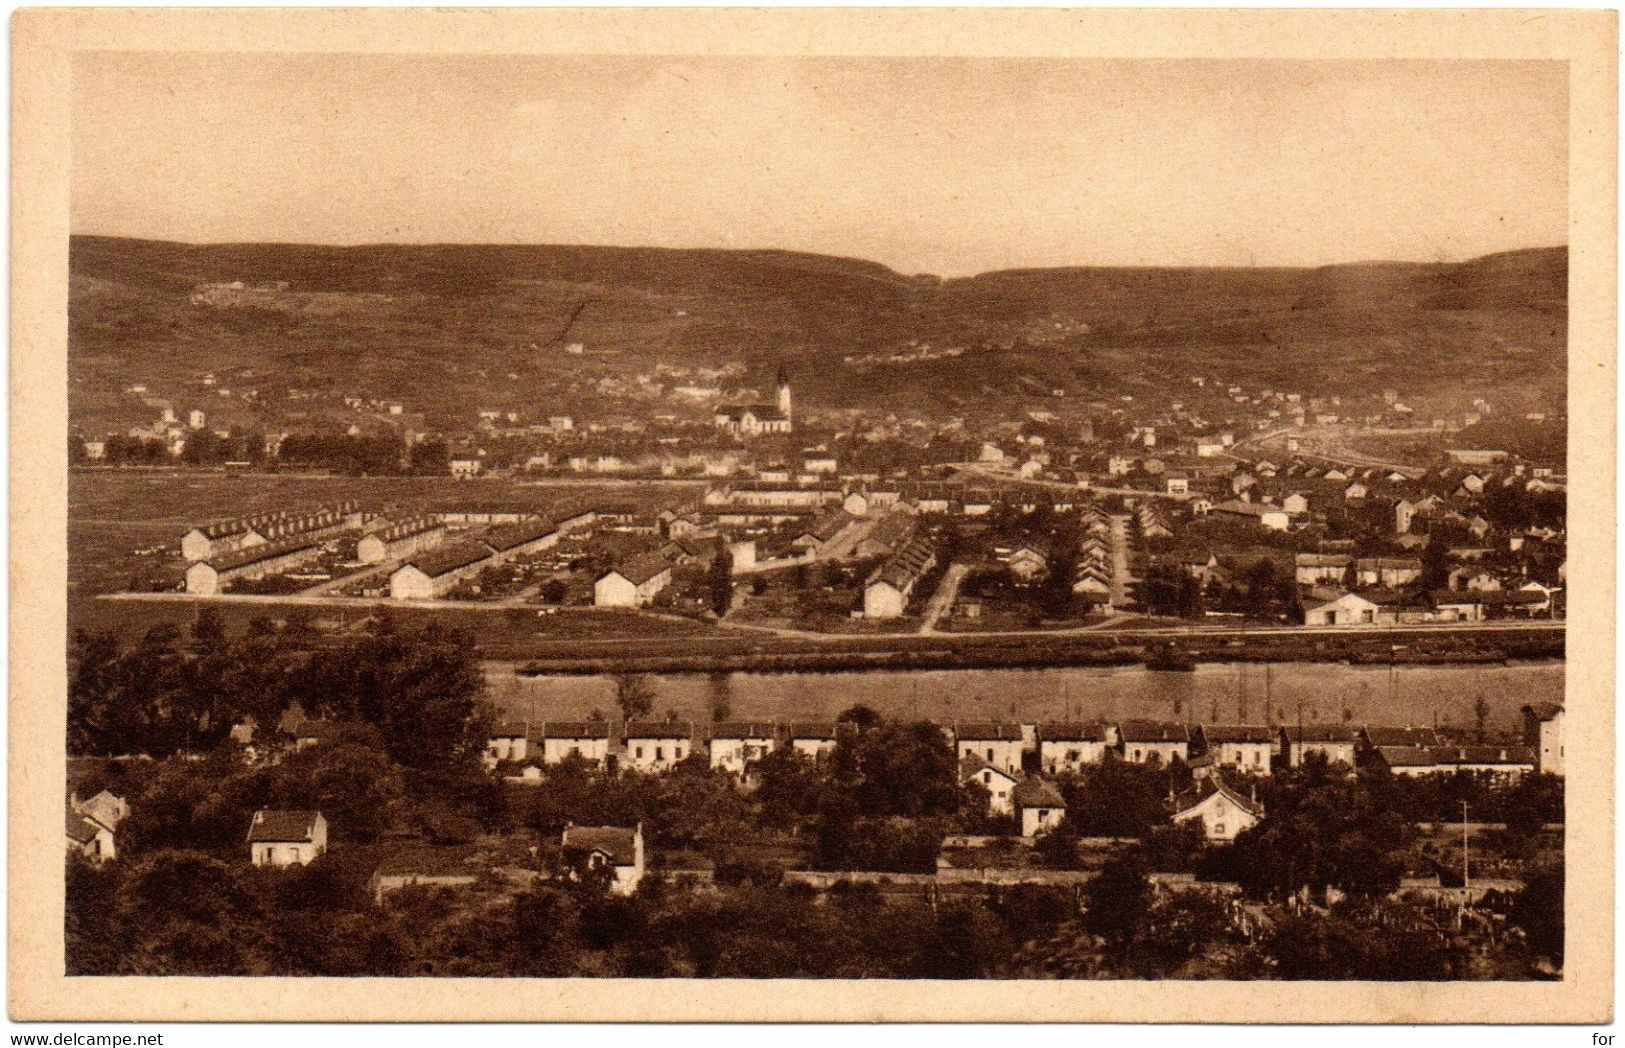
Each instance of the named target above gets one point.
<point>1538,910</point>
<point>634,694</point>
<point>1481,717</point>
<point>1117,901</point>
<point>719,580</point>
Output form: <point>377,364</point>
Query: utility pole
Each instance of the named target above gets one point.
<point>1464,867</point>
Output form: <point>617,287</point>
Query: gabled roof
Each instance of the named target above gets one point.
<point>270,825</point>
<point>512,536</point>
<point>648,729</point>
<point>1311,733</point>
<point>640,569</point>
<point>987,732</point>
<point>1484,755</point>
<point>242,558</point>
<point>744,730</point>
<point>509,729</point>
<point>1221,733</point>
<point>1153,731</point>
<point>587,729</point>
<point>1059,731</point>
<point>1037,793</point>
<point>1407,756</point>
<point>1207,788</point>
<point>447,559</point>
<point>811,730</point>
<point>617,842</point>
<point>1380,736</point>
<point>82,829</point>
<point>971,766</point>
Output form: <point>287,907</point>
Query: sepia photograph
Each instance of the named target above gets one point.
<point>712,515</point>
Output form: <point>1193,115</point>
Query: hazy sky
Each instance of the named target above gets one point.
<point>929,165</point>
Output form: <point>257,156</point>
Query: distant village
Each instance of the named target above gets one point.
<point>1172,517</point>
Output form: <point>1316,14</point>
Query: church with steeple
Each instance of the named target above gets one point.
<point>750,420</point>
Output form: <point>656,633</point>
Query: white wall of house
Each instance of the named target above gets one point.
<point>656,754</point>
<point>556,751</point>
<point>1036,820</point>
<point>1001,753</point>
<point>882,600</point>
<point>733,755</point>
<point>1059,755</point>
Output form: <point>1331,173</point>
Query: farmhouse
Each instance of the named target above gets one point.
<point>633,583</point>
<point>1312,568</point>
<point>89,838</point>
<point>286,838</point>
<point>434,573</point>
<point>205,578</point>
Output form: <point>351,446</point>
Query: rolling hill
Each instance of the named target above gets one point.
<point>447,327</point>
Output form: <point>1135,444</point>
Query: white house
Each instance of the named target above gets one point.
<point>1543,731</point>
<point>1153,742</point>
<point>656,746</point>
<point>585,740</point>
<point>1350,609</point>
<point>614,848</point>
<point>1040,806</point>
<point>997,744</point>
<point>286,838</point>
<point>1222,812</point>
<point>736,744</point>
<point>632,584</point>
<point>436,571</point>
<point>1338,743</point>
<point>1000,784</point>
<point>1068,747</point>
<point>812,739</point>
<point>1245,748</point>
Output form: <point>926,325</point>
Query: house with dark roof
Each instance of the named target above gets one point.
<point>657,746</point>
<point>89,838</point>
<point>1222,811</point>
<point>205,578</point>
<point>558,741</point>
<point>286,838</point>
<point>998,744</point>
<point>632,583</point>
<point>437,571</point>
<point>1153,742</point>
<point>1039,805</point>
<point>812,739</point>
<point>1065,747</point>
<point>735,745</point>
<point>311,731</point>
<point>999,783</point>
<point>615,849</point>
<point>886,594</point>
<point>1336,741</point>
<point>1246,748</point>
